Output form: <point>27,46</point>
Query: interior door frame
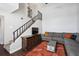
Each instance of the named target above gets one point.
<point>2,28</point>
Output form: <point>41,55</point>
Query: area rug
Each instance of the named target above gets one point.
<point>41,50</point>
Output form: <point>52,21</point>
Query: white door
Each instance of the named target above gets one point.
<point>1,30</point>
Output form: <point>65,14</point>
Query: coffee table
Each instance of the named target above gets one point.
<point>51,46</point>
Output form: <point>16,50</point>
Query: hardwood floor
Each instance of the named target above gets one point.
<point>3,52</point>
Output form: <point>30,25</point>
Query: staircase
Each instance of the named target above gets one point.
<point>18,32</point>
<point>25,26</point>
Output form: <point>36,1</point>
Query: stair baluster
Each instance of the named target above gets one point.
<point>25,26</point>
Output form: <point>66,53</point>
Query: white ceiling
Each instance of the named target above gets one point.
<point>8,7</point>
<point>57,5</point>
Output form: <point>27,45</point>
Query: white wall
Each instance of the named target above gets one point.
<point>13,21</point>
<point>59,18</point>
<point>5,11</point>
<point>78,18</point>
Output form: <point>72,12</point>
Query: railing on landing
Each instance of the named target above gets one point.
<point>25,26</point>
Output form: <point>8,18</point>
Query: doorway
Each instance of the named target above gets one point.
<point>1,30</point>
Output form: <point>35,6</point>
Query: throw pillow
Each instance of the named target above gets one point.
<point>68,35</point>
<point>73,37</point>
<point>46,33</point>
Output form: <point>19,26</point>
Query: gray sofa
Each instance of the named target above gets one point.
<point>54,36</point>
<point>71,46</point>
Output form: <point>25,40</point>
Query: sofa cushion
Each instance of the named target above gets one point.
<point>50,34</point>
<point>72,47</point>
<point>68,35</point>
<point>59,35</point>
<point>59,40</point>
<point>46,33</point>
<point>54,34</point>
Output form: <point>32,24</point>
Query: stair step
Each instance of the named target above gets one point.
<point>10,42</point>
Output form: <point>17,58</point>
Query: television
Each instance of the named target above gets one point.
<point>34,30</point>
